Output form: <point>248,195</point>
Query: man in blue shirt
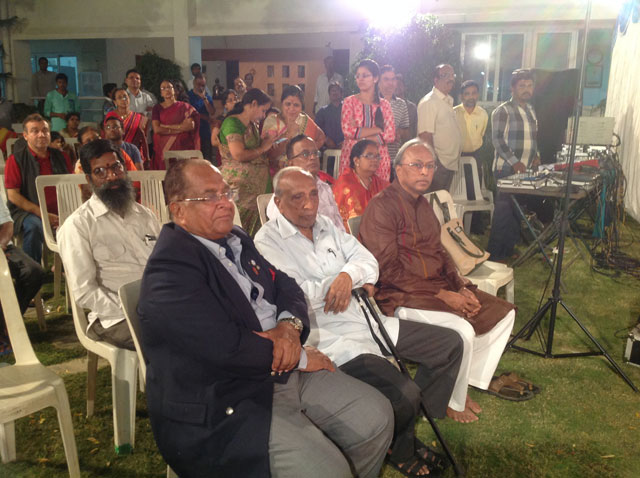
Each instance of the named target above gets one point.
<point>329,118</point>
<point>203,103</point>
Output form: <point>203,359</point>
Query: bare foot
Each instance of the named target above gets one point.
<point>472,405</point>
<point>466,416</point>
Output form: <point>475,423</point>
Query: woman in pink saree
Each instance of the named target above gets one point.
<point>175,125</point>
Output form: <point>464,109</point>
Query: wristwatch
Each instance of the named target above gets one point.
<point>296,322</point>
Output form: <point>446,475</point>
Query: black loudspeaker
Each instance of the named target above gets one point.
<point>553,100</point>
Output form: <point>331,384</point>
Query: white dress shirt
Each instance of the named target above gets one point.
<point>143,102</point>
<point>436,116</point>
<point>102,251</point>
<point>326,205</point>
<point>315,265</point>
<point>322,88</point>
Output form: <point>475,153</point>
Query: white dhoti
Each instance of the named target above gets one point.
<point>481,352</point>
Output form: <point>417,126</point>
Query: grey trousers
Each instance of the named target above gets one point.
<point>327,424</point>
<point>438,353</point>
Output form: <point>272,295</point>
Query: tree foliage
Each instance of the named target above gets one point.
<point>154,69</point>
<point>414,50</point>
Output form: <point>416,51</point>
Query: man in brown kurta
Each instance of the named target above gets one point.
<point>419,280</point>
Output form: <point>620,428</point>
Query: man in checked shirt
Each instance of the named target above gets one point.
<point>514,131</point>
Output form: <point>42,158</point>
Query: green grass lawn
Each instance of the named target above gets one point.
<point>585,422</point>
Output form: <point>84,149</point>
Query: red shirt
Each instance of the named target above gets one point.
<point>13,176</point>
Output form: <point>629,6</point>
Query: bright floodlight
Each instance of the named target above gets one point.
<point>482,51</point>
<point>388,15</point>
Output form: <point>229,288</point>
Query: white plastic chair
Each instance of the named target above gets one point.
<point>489,276</point>
<point>17,127</point>
<point>129,295</point>
<point>124,367</point>
<point>10,143</point>
<point>2,166</point>
<point>28,386</point>
<point>186,154</point>
<point>464,205</point>
<point>330,162</point>
<point>152,192</point>
<point>69,199</point>
<point>354,225</point>
<point>263,202</point>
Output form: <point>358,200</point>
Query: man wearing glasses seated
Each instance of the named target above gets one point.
<point>419,280</point>
<point>231,390</point>
<point>302,152</point>
<point>106,242</point>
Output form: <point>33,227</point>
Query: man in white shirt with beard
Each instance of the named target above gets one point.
<point>106,242</point>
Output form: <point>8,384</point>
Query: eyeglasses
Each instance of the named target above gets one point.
<point>447,75</point>
<point>371,156</point>
<point>308,154</point>
<point>166,87</point>
<point>112,127</point>
<point>418,167</point>
<point>230,195</point>
<point>116,168</point>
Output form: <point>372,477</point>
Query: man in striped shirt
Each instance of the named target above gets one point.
<point>514,131</point>
<point>387,87</point>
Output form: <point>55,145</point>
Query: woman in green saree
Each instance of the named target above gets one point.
<point>245,166</point>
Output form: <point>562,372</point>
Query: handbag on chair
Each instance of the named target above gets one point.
<point>466,255</point>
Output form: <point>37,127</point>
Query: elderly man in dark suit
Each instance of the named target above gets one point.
<point>230,389</point>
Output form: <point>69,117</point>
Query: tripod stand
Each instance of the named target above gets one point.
<point>555,300</point>
<point>368,309</point>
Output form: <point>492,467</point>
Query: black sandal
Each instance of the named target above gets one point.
<point>412,466</point>
<point>430,456</point>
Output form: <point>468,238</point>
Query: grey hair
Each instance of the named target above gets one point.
<point>412,142</point>
<point>282,173</point>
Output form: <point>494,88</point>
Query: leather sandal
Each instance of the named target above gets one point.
<point>525,383</point>
<point>503,387</point>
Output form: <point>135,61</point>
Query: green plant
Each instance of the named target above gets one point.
<point>414,50</point>
<point>154,69</point>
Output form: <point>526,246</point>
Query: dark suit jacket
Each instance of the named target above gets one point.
<point>209,383</point>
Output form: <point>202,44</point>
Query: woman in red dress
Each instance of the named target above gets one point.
<point>357,185</point>
<point>175,125</point>
<point>134,124</point>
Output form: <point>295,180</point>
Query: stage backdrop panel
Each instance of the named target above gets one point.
<point>623,103</point>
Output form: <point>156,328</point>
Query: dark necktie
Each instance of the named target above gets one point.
<point>228,252</point>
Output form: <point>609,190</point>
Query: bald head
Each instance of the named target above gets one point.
<point>296,196</point>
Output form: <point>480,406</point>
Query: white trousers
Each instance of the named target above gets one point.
<point>481,352</point>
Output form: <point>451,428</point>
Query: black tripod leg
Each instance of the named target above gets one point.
<point>601,348</point>
<point>365,303</point>
<point>530,326</point>
<point>434,426</point>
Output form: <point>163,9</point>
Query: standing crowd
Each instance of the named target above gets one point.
<point>260,361</point>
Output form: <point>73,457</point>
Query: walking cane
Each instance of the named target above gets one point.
<point>369,309</point>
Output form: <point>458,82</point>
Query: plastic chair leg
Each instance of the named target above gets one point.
<point>57,275</point>
<point>66,430</point>
<point>92,372</point>
<point>466,220</point>
<point>124,390</point>
<point>141,380</point>
<point>8,442</point>
<point>510,291</point>
<point>42,324</point>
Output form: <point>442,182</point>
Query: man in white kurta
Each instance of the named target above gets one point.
<point>106,242</point>
<point>327,264</point>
